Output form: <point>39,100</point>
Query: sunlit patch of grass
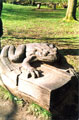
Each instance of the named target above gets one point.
<point>39,112</point>
<point>5,94</point>
<point>74,61</point>
<point>36,23</point>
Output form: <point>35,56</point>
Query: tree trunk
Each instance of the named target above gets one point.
<point>1,29</point>
<point>71,10</point>
<point>0,7</point>
<point>33,2</point>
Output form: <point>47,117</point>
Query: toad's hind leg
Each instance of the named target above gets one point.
<point>4,52</point>
<point>17,54</point>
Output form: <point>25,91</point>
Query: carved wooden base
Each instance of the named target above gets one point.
<point>38,89</point>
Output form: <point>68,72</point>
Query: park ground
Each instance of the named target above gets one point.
<point>27,24</point>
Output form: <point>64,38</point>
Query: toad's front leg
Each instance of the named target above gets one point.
<point>30,71</point>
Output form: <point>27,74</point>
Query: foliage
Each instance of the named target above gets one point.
<point>31,1</point>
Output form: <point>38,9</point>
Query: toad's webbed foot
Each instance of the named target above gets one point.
<point>32,72</point>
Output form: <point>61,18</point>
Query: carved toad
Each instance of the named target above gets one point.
<point>29,53</point>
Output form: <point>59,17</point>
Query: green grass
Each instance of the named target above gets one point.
<point>5,94</point>
<point>26,24</point>
<point>39,112</point>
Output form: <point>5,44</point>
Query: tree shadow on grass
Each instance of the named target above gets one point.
<point>71,42</point>
<point>74,52</point>
<point>65,40</point>
<point>30,13</point>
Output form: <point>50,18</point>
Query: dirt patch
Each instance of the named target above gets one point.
<point>44,10</point>
<point>11,111</point>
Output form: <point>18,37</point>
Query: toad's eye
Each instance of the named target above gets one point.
<point>46,54</point>
<point>38,53</point>
<point>51,45</point>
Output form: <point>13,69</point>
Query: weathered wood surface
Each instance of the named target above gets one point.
<point>38,89</point>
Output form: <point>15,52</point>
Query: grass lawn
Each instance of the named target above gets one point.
<point>25,24</point>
